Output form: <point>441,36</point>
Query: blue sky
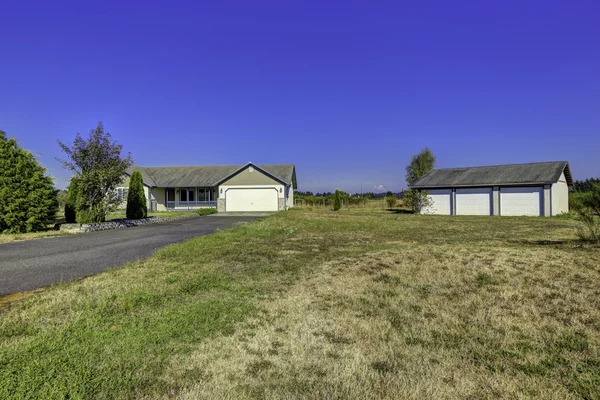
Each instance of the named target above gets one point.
<point>347,91</point>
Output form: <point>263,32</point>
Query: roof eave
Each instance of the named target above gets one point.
<point>143,182</point>
<point>243,167</point>
<point>475,185</point>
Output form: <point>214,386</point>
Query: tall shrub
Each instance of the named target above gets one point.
<point>136,199</point>
<point>391,201</point>
<point>71,203</point>
<point>418,167</point>
<point>337,200</point>
<point>587,207</point>
<point>28,201</point>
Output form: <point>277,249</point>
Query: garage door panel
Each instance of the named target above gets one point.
<point>251,199</point>
<point>440,202</point>
<point>474,201</point>
<point>518,201</point>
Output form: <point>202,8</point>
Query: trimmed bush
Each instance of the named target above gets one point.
<point>71,203</point>
<point>207,211</point>
<point>28,201</point>
<point>136,198</point>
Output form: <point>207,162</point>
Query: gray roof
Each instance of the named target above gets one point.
<point>207,176</point>
<point>496,175</point>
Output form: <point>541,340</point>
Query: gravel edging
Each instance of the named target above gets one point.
<point>122,223</point>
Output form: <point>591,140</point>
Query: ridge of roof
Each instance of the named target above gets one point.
<point>500,165</point>
<point>533,173</point>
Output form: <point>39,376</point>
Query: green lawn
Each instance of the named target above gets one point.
<point>316,304</point>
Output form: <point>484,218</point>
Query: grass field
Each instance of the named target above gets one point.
<point>359,304</point>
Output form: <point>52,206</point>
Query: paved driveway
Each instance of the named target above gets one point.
<point>33,264</point>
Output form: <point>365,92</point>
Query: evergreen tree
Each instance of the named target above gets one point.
<point>136,199</point>
<point>71,203</point>
<point>28,201</point>
<point>337,200</point>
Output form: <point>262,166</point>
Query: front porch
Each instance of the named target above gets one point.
<point>190,198</point>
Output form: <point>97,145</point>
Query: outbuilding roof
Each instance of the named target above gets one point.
<point>207,176</point>
<point>496,175</point>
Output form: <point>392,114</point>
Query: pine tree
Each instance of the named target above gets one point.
<point>136,199</point>
<point>71,203</point>
<point>28,201</point>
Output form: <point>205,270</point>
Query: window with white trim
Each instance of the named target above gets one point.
<point>122,194</point>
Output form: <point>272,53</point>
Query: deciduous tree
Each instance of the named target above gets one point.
<point>99,167</point>
<point>419,165</point>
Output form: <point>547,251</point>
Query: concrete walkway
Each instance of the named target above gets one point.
<point>33,264</point>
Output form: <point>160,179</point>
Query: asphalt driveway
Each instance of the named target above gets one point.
<point>33,264</point>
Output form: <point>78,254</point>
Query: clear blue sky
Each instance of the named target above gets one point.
<point>345,90</point>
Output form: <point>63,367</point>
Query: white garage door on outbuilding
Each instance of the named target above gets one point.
<point>532,189</point>
<point>474,201</point>
<point>440,202</point>
<point>251,199</point>
<point>517,201</point>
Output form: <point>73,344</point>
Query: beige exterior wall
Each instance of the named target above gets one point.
<point>547,211</point>
<point>560,196</point>
<point>125,182</point>
<point>123,185</point>
<point>291,197</point>
<point>246,177</point>
<point>158,194</point>
<point>496,201</point>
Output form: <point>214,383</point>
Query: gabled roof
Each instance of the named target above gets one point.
<point>496,175</point>
<point>207,176</point>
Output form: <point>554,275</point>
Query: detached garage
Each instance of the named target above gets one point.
<point>536,189</point>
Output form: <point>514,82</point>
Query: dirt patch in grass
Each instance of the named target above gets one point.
<point>19,237</point>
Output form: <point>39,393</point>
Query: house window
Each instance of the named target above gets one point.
<point>183,195</point>
<point>122,194</point>
<point>170,194</point>
<point>191,194</point>
<point>202,194</point>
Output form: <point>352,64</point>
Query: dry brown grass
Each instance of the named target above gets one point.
<point>415,320</point>
<point>18,237</point>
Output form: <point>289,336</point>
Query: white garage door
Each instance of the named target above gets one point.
<point>476,201</point>
<point>440,202</point>
<point>265,199</point>
<point>521,201</point>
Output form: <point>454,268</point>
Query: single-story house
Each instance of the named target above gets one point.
<point>535,189</point>
<point>249,187</point>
